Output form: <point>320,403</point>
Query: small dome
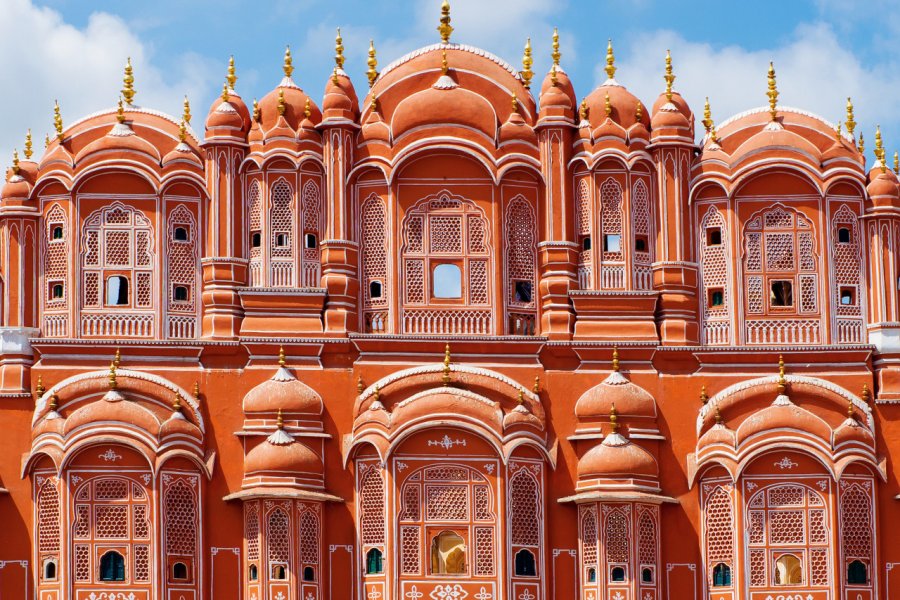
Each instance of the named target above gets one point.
<point>121,138</point>
<point>623,106</point>
<point>452,104</point>
<point>557,100</point>
<point>617,457</point>
<point>678,102</point>
<point>224,116</point>
<point>177,424</point>
<point>15,188</point>
<point>517,130</point>
<point>285,392</point>
<point>781,415</point>
<point>630,400</point>
<point>883,186</point>
<point>718,434</point>
<point>112,410</point>
<point>521,416</point>
<point>669,116</point>
<point>340,101</point>
<point>294,106</point>
<point>375,129</point>
<point>852,432</point>
<point>286,459</point>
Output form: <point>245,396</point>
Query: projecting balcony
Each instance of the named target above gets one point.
<point>115,324</point>
<point>448,321</point>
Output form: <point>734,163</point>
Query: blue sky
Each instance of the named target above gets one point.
<point>74,50</point>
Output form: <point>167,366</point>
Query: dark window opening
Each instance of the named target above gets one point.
<point>309,574</point>
<point>716,297</point>
<point>646,575</point>
<point>376,288</point>
<point>56,291</point>
<point>181,234</point>
<point>612,242</point>
<point>281,240</point>
<point>721,575</point>
<point>781,293</point>
<point>57,232</point>
<point>255,239</point>
<point>640,243</point>
<point>181,293</point>
<point>117,291</point>
<point>523,291</point>
<point>617,574</point>
<point>714,236</point>
<point>50,569</point>
<point>374,562</point>
<point>848,296</point>
<point>112,567</point>
<point>844,235</point>
<point>179,571</point>
<point>253,573</point>
<point>592,575</point>
<point>857,573</point>
<point>525,566</point>
<point>279,573</point>
<point>586,243</point>
<point>309,240</point>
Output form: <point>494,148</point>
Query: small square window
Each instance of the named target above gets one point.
<point>56,291</point>
<point>781,293</point>
<point>640,243</point>
<point>309,240</point>
<point>376,289</point>
<point>180,234</point>
<point>523,291</point>
<point>844,235</point>
<point>181,293</point>
<point>586,243</point>
<point>716,297</point>
<point>281,240</point>
<point>255,239</point>
<point>848,296</point>
<point>714,236</point>
<point>56,232</point>
<point>612,242</point>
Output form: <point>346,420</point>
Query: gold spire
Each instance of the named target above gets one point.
<point>849,409</point>
<point>521,398</point>
<point>288,66</point>
<point>896,163</point>
<point>607,105</point>
<point>39,390</point>
<point>446,370</point>
<point>515,104</point>
<point>176,403</point>
<point>54,402</point>
<point>257,113</point>
<point>445,66</point>
<point>186,110</point>
<point>15,162</point>
<point>862,146</point>
<point>610,61</point>
<point>232,73</point>
<point>182,131</point>
<point>57,121</point>
<point>669,76</point>
<point>279,420</point>
<point>583,110</point>
<point>29,148</point>
<point>307,109</point>
<point>638,112</point>
<point>360,386</point>
<point>537,385</point>
<point>614,418</point>
<point>281,105</point>
<point>372,73</point>
<point>117,358</point>
<point>714,135</point>
<point>445,29</point>
<point>225,95</point>
<point>128,83</point>
<point>555,55</point>
<point>718,415</point>
<point>527,62</point>
<point>281,358</point>
<point>837,132</point>
<point>197,391</point>
<point>339,50</point>
<point>120,112</point>
<point>112,375</point>
<point>373,106</point>
<point>879,148</point>
<point>46,140</point>
<point>782,383</point>
<point>704,397</point>
<point>615,359</point>
<point>864,395</point>
<point>773,92</point>
<point>707,116</point>
<point>850,122</point>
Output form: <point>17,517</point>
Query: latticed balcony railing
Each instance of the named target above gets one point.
<point>783,331</point>
<point>717,333</point>
<point>56,326</point>
<point>612,277</point>
<point>376,321</point>
<point>182,327</point>
<point>522,323</point>
<point>117,325</point>
<point>448,321</point>
<point>850,331</point>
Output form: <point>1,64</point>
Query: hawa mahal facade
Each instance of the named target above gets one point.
<point>463,338</point>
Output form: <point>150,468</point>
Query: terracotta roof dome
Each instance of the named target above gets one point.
<point>455,105</point>
<point>629,399</point>
<point>285,392</point>
<point>783,414</point>
<point>287,99</point>
<point>281,454</point>
<point>617,457</point>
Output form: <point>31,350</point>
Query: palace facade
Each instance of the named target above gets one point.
<point>462,338</point>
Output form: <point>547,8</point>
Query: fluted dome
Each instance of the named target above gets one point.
<point>623,106</point>
<point>557,100</point>
<point>15,188</point>
<point>783,414</point>
<point>224,115</point>
<point>629,399</point>
<point>340,101</point>
<point>453,104</point>
<point>287,459</point>
<point>883,186</point>
<point>617,457</point>
<point>285,392</point>
<point>294,106</point>
<point>120,139</point>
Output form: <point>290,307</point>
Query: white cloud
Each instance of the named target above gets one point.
<point>815,72</point>
<point>43,58</point>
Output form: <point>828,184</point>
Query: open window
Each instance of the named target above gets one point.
<point>374,562</point>
<point>617,574</point>
<point>848,296</point>
<point>376,289</point>
<point>857,573</point>
<point>721,575</point>
<point>279,572</point>
<point>447,281</point>
<point>309,574</point>
<point>714,236</point>
<point>180,293</point>
<point>525,564</point>
<point>646,575</point>
<point>448,554</point>
<point>716,297</point>
<point>788,570</point>
<point>523,292</point>
<point>50,570</point>
<point>56,291</point>
<point>310,241</point>
<point>253,573</point>
<point>56,232</point>
<point>281,240</point>
<point>586,242</point>
<point>641,243</point>
<point>781,293</point>
<point>612,242</point>
<point>255,239</point>
<point>179,571</point>
<point>112,567</point>
<point>592,575</point>
<point>117,291</point>
<point>844,235</point>
<point>180,234</point>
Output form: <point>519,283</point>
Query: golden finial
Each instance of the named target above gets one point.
<point>865,395</point>
<point>879,148</point>
<point>186,110</point>
<point>527,62</point>
<point>225,95</point>
<point>850,122</point>
<point>669,76</point>
<point>112,375</point>
<point>445,29</point>
<point>334,76</point>
<point>773,92</point>
<point>197,391</point>
<point>714,135</point>
<point>307,108</point>
<point>29,148</point>
<point>232,73</point>
<point>849,409</point>
<point>583,110</point>
<point>374,104</point>
<point>555,55</point>
<point>615,359</point>
<point>614,418</point>
<point>57,121</point>
<point>537,385</point>
<point>257,113</point>
<point>339,50</point>
<point>445,66</point>
<point>446,371</point>
<point>638,111</point>
<point>862,145</point>
<point>279,420</point>
<point>176,403</point>
<point>521,398</point>
<point>515,104</point>
<point>376,396</point>
<point>718,415</point>
<point>182,131</point>
<point>610,61</point>
<point>896,163</point>
<point>707,116</point>
<point>372,73</point>
<point>782,383</point>
<point>704,397</point>
<point>837,132</point>
<point>15,162</point>
<point>607,105</point>
<point>288,66</point>
<point>360,386</point>
<point>117,359</point>
<point>39,390</point>
<point>54,402</point>
<point>128,81</point>
<point>46,140</point>
<point>281,359</point>
<point>120,112</point>
<point>281,104</point>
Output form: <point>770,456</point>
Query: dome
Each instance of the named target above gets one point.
<point>629,399</point>
<point>287,458</point>
<point>617,457</point>
<point>177,424</point>
<point>517,130</point>
<point>521,416</point>
<point>15,188</point>
<point>678,102</point>
<point>883,187</point>
<point>282,392</point>
<point>182,153</point>
<point>668,115</point>
<point>294,100</point>
<point>112,410</point>
<point>121,139</point>
<point>852,432</point>
<point>375,129</point>
<point>718,434</point>
<point>557,100</point>
<point>622,103</point>
<point>224,116</point>
<point>783,414</point>
<point>340,101</point>
<point>455,105</point>
<point>238,104</point>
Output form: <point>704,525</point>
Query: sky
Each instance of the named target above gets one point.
<point>74,51</point>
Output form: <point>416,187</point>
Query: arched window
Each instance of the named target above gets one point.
<point>857,573</point>
<point>788,570</point>
<point>180,293</point>
<point>448,554</point>
<point>56,291</point>
<point>179,571</point>
<point>50,569</point>
<point>375,289</point>
<point>255,239</point>
<point>721,575</point>
<point>525,566</point>
<point>57,232</point>
<point>646,575</point>
<point>253,573</point>
<point>447,281</point>
<point>592,575</point>
<point>715,259</point>
<point>279,572</point>
<point>112,567</point>
<point>374,562</point>
<point>309,574</point>
<point>180,234</point>
<point>617,574</point>
<point>117,291</point>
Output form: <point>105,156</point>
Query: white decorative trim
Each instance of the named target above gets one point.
<point>463,47</point>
